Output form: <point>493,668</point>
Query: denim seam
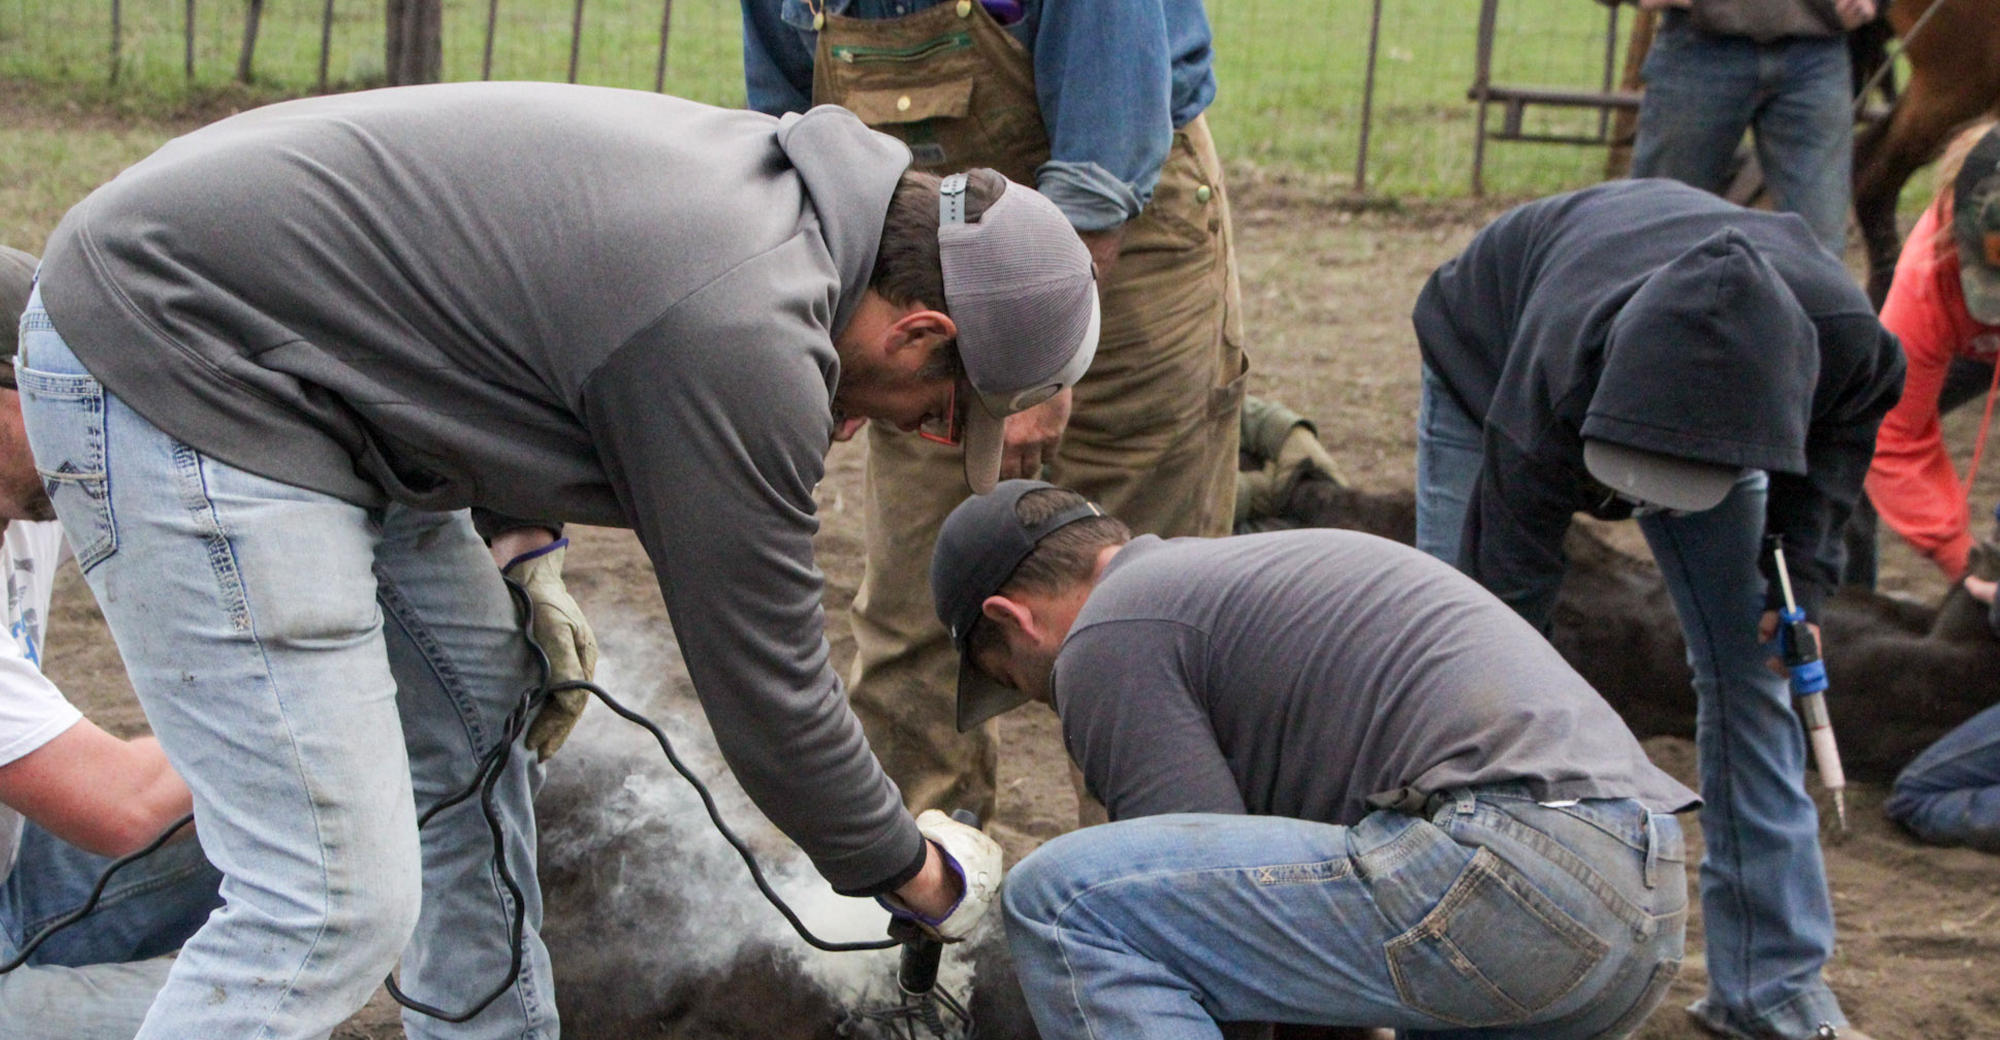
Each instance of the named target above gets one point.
<point>1056,923</point>
<point>195,496</point>
<point>1640,921</point>
<point>113,896</point>
<point>1434,926</point>
<point>1662,976</point>
<point>441,666</point>
<point>1740,955</point>
<point>208,526</point>
<point>452,682</point>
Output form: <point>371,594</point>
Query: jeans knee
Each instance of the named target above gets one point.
<point>372,909</point>
<point>1036,888</point>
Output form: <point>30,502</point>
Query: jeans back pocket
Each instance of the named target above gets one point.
<point>64,415</point>
<point>1493,951</point>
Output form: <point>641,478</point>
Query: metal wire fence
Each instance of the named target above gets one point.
<point>1301,84</point>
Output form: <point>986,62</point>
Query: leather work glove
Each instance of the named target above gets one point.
<point>564,636</point>
<point>975,858</point>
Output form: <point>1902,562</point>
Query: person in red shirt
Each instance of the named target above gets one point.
<point>1944,310</point>
<point>1945,307</point>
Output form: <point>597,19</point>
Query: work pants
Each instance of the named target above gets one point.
<point>1767,917</point>
<point>95,979</point>
<point>318,673</point>
<point>1490,916</point>
<point>1152,438</point>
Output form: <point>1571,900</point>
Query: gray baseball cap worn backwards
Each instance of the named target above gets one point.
<point>17,281</point>
<point>1975,223</point>
<point>1020,287</point>
<point>980,544</point>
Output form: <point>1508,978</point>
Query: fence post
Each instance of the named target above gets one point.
<point>117,39</point>
<point>1489,14</point>
<point>575,38</point>
<point>415,42</point>
<point>325,43</point>
<point>251,15</point>
<point>660,70</point>
<point>486,58</point>
<point>187,59</point>
<point>1368,100</point>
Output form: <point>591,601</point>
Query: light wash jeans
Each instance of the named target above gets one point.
<point>317,672</point>
<point>95,979</point>
<point>1765,907</point>
<point>1495,917</point>
<point>1796,94</point>
<point>1950,795</point>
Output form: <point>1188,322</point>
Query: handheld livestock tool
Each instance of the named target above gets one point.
<point>1798,647</point>
<point>925,1010</point>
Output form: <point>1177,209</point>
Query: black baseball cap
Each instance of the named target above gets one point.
<point>980,544</point>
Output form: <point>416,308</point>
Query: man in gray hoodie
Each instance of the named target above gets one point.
<point>269,368</point>
<point>1643,349</point>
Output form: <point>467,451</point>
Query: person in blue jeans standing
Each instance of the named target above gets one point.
<point>1777,68</point>
<point>72,796</point>
<point>1347,786</point>
<point>1644,350</point>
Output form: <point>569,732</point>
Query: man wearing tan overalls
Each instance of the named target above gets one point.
<point>1096,103</point>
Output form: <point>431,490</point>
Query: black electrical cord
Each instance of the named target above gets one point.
<point>484,780</point>
<point>495,764</point>
<point>96,892</point>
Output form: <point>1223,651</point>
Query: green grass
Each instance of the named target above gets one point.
<point>1290,72</point>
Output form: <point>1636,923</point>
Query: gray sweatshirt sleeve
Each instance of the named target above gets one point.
<point>713,427</point>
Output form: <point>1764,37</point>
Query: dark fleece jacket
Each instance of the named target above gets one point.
<point>1651,314</point>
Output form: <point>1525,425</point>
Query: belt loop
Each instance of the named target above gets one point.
<point>1652,849</point>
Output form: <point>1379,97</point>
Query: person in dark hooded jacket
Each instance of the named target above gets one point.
<point>1642,349</point>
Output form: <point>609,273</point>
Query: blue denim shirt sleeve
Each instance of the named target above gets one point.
<point>1113,79</point>
<point>777,58</point>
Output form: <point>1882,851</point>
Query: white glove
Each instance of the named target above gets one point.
<point>975,858</point>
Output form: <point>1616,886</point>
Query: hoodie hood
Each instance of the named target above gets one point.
<point>1711,359</point>
<point>850,172</point>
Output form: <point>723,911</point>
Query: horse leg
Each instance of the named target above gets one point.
<point>1889,152</point>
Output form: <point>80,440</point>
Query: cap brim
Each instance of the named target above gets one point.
<point>1982,287</point>
<point>1670,481</point>
<point>984,437</point>
<point>981,698</point>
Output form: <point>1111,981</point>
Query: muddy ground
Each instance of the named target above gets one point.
<point>1328,291</point>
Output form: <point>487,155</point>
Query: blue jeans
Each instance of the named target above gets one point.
<point>317,672</point>
<point>1703,92</point>
<point>1449,458</point>
<point>1765,907</point>
<point>1493,917</point>
<point>1950,795</point>
<point>95,979</point>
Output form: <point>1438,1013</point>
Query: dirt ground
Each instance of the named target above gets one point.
<point>1328,291</point>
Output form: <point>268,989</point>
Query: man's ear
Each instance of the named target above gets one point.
<point>1012,615</point>
<point>910,341</point>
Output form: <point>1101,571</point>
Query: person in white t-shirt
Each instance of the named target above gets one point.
<point>72,796</point>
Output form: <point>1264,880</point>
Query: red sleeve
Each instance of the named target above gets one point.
<point>1912,481</point>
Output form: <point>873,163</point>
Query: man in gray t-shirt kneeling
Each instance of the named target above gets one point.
<point>1412,812</point>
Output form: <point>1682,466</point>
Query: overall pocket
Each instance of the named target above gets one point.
<point>64,414</point>
<point>1493,951</point>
